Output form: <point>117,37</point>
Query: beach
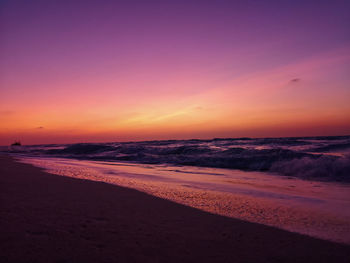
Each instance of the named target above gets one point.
<point>51,218</point>
<point>174,131</point>
<point>314,208</point>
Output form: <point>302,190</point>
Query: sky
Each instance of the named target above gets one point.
<point>98,71</point>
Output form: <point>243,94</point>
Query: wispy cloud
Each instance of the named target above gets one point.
<point>296,80</point>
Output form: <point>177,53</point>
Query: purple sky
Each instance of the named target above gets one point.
<point>104,70</point>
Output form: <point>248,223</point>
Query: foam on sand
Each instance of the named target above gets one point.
<point>319,209</point>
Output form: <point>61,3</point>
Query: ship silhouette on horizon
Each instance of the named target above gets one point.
<point>16,143</point>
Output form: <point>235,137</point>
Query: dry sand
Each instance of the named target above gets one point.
<point>50,218</point>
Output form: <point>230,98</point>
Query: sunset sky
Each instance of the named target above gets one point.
<point>81,71</point>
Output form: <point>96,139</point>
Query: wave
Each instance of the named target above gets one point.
<point>329,168</point>
<point>303,157</point>
<point>82,149</point>
<point>333,147</point>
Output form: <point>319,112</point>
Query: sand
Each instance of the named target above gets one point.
<point>318,209</point>
<point>50,218</point>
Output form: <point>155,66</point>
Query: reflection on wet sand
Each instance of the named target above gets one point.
<point>318,209</point>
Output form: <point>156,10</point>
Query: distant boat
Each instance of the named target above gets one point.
<point>16,143</point>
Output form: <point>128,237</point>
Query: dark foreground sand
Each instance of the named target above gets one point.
<point>48,218</point>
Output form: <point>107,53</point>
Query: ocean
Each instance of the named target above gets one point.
<point>315,158</point>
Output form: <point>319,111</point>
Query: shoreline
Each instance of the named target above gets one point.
<point>307,207</point>
<point>46,217</point>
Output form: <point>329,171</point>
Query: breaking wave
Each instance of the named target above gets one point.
<point>321,158</point>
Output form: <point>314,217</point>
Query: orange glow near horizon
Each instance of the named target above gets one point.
<point>260,105</point>
<point>173,81</point>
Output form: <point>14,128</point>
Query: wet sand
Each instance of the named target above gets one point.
<point>314,208</point>
<point>50,218</point>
